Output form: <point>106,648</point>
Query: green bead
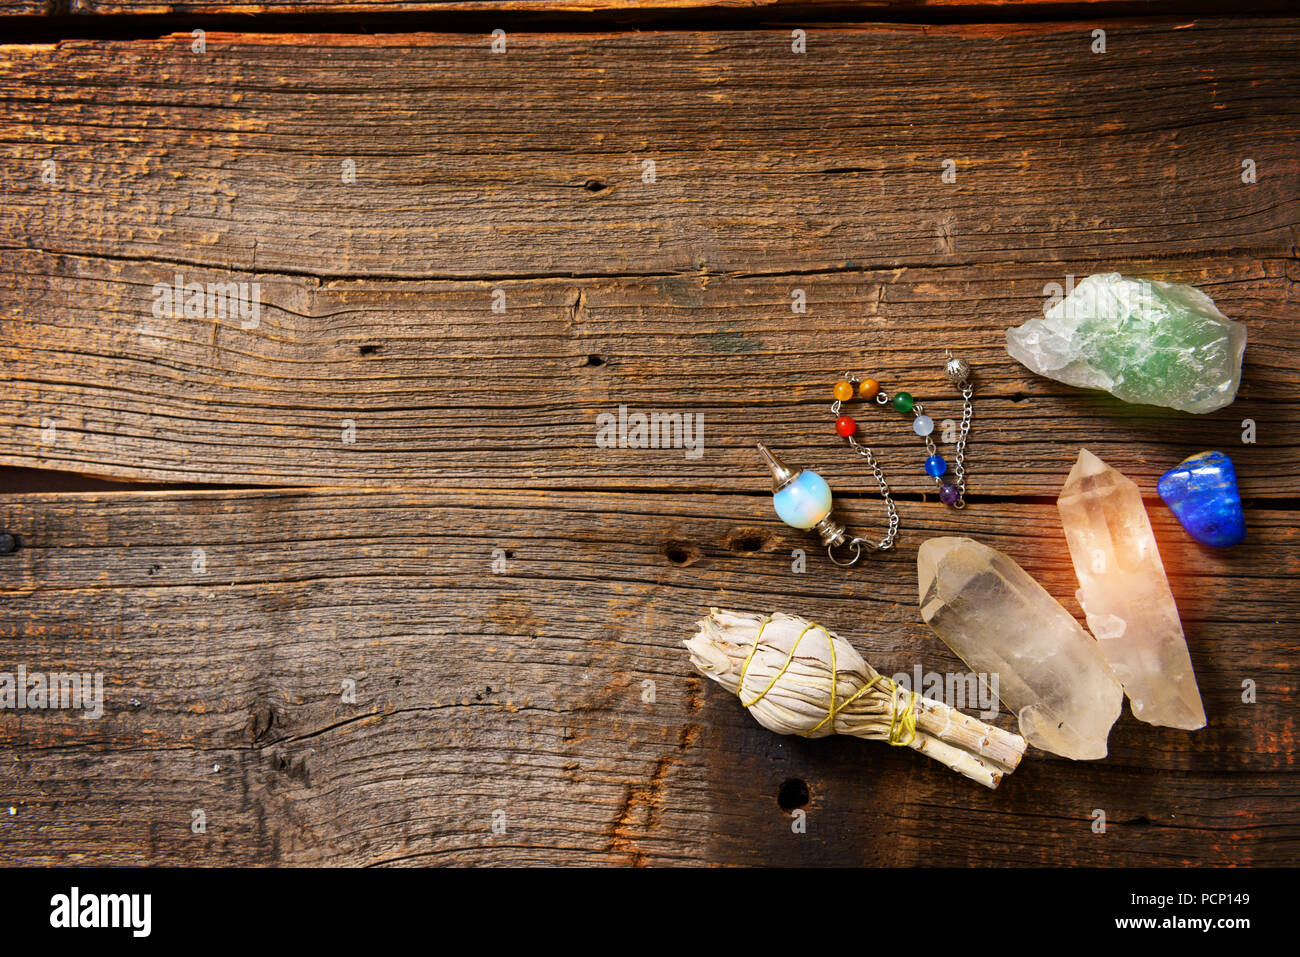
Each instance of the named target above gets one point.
<point>903,401</point>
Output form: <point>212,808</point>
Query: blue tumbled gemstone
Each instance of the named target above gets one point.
<point>935,465</point>
<point>1202,493</point>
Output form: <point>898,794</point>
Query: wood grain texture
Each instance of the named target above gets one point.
<point>440,390</point>
<point>523,173</point>
<point>473,165</point>
<point>631,10</point>
<point>524,691</point>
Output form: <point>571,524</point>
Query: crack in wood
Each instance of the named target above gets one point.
<point>639,813</point>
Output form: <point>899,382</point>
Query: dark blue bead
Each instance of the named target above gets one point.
<point>935,465</point>
<point>1202,493</point>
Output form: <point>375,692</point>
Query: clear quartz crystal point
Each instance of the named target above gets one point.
<point>1000,621</point>
<point>1125,594</point>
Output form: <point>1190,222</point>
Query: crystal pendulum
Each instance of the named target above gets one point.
<point>803,500</point>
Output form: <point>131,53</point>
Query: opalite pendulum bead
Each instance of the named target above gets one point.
<point>801,497</point>
<point>804,502</point>
<point>923,425</point>
<point>1202,493</point>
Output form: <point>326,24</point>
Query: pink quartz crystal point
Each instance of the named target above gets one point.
<point>1125,594</point>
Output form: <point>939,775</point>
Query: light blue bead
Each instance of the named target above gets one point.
<point>805,501</point>
<point>923,425</point>
<point>935,466</point>
<point>1202,493</point>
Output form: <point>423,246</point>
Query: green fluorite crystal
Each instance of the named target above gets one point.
<point>1139,339</point>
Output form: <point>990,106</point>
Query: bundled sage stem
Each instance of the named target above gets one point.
<point>796,677</point>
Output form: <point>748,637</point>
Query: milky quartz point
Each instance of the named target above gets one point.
<point>1125,594</point>
<point>1142,340</point>
<point>998,620</point>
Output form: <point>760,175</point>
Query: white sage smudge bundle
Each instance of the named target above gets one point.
<point>796,677</point>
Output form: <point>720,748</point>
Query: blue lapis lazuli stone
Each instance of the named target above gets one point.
<point>935,466</point>
<point>1202,493</point>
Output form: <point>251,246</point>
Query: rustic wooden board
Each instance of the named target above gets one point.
<point>523,173</point>
<point>524,691</point>
<point>474,165</point>
<point>442,391</point>
<point>625,10</point>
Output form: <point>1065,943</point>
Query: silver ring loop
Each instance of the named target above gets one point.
<point>855,545</point>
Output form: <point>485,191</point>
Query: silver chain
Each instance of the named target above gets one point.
<point>967,412</point>
<point>887,542</point>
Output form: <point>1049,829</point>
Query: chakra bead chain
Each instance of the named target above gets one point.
<point>951,491</point>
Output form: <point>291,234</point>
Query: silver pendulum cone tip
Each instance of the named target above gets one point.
<point>782,475</point>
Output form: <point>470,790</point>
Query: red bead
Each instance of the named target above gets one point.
<point>845,426</point>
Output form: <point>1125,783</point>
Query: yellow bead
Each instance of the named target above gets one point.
<point>868,388</point>
<point>843,390</point>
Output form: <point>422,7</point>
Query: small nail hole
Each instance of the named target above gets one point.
<point>8,543</point>
<point>594,186</point>
<point>746,541</point>
<point>794,793</point>
<point>593,360</point>
<point>681,555</point>
<point>368,350</point>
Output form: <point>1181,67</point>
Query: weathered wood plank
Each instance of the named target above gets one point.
<point>475,165</point>
<point>631,10</point>
<point>523,173</point>
<point>523,691</point>
<point>441,390</point>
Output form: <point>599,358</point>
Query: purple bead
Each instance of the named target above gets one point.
<point>949,494</point>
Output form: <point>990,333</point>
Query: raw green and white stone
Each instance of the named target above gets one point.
<point>1141,340</point>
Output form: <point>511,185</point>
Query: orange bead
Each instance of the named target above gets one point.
<point>868,388</point>
<point>843,390</point>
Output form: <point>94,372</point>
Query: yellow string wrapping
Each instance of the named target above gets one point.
<point>901,720</point>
